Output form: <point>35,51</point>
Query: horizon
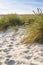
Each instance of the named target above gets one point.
<point>20,6</point>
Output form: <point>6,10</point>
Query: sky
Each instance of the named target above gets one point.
<point>20,6</point>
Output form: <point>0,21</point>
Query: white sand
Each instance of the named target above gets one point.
<point>12,52</point>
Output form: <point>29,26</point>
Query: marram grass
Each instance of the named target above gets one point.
<point>33,25</point>
<point>34,32</point>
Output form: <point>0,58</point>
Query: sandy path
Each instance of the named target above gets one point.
<point>12,52</point>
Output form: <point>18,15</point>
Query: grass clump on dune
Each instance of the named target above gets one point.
<point>34,32</point>
<point>9,21</point>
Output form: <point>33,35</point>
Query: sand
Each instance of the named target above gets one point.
<point>13,52</point>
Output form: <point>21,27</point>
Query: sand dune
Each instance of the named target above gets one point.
<point>13,52</point>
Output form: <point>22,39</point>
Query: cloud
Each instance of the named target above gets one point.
<point>19,6</point>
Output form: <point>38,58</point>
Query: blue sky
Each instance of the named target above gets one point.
<point>20,6</point>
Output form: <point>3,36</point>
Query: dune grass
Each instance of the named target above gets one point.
<point>34,32</point>
<point>33,25</point>
<point>10,20</point>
